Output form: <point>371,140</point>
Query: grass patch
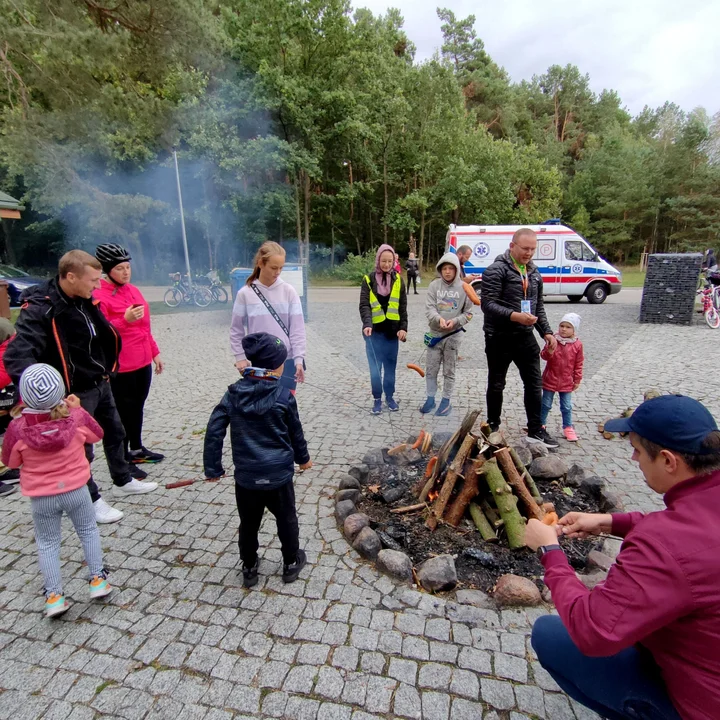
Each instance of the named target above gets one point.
<point>103,685</point>
<point>632,276</point>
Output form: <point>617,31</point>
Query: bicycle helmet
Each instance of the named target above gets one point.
<point>111,255</point>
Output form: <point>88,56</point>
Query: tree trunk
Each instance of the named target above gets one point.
<point>515,481</point>
<point>468,492</point>
<point>482,524</point>
<point>332,246</point>
<point>385,190</point>
<point>422,239</point>
<point>450,479</point>
<point>506,503</point>
<point>305,257</point>
<point>298,221</point>
<point>526,476</point>
<point>10,256</point>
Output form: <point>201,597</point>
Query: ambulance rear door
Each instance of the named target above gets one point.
<point>547,258</point>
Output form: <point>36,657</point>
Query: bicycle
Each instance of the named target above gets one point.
<point>218,292</point>
<point>710,297</point>
<point>182,292</point>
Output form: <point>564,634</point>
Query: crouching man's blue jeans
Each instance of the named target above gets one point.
<point>626,686</point>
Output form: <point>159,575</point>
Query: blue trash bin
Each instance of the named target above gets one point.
<point>238,277</point>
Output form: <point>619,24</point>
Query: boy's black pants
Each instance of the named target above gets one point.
<point>251,506</point>
<point>522,349</point>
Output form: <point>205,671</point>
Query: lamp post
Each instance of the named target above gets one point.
<point>182,218</point>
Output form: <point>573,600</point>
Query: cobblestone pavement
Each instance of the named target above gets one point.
<point>181,639</point>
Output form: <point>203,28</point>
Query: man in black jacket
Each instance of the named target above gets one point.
<point>512,301</point>
<point>59,324</point>
<point>267,438</point>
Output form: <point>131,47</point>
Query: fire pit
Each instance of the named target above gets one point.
<point>452,510</point>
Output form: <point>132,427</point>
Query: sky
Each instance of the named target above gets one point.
<point>648,51</point>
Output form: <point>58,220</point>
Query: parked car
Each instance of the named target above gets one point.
<point>18,281</point>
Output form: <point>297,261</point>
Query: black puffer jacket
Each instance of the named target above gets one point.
<point>43,327</point>
<point>265,434</point>
<point>502,294</point>
<point>389,328</point>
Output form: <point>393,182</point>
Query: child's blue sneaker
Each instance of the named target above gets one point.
<point>377,406</point>
<point>428,406</point>
<point>392,405</point>
<point>445,408</point>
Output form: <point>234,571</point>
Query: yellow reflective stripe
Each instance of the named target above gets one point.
<point>393,313</point>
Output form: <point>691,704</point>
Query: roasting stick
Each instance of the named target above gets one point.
<point>185,483</point>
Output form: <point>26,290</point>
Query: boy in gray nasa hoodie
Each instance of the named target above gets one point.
<point>448,309</point>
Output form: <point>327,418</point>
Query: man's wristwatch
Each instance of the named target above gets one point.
<point>546,549</point>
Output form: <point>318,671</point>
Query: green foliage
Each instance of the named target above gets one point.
<point>356,267</point>
<point>307,123</point>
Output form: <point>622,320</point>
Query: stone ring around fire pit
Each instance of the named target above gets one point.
<point>375,502</point>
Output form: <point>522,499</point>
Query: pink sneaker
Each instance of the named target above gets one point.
<point>570,434</point>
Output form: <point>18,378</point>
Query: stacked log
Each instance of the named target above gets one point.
<point>476,472</point>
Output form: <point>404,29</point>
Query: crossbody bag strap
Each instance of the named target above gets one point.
<point>270,309</point>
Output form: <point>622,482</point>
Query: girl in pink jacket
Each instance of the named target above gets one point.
<point>126,309</point>
<point>563,372</point>
<point>47,442</point>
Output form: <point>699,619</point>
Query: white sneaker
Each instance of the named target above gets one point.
<point>134,487</point>
<point>106,514</point>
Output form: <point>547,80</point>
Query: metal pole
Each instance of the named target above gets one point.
<point>182,219</point>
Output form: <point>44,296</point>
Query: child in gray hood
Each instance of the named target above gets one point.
<point>448,309</point>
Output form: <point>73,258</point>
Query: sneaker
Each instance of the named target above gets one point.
<point>99,587</point>
<point>494,427</point>
<point>145,456</point>
<point>542,437</point>
<point>6,489</point>
<point>137,473</point>
<point>55,605</point>
<point>570,434</point>
<point>11,477</point>
<point>134,487</point>
<point>250,575</point>
<point>377,407</point>
<point>392,405</point>
<point>291,572</point>
<point>104,513</point>
<point>445,408</point>
<point>428,406</point>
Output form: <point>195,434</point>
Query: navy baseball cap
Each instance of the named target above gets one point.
<point>674,422</point>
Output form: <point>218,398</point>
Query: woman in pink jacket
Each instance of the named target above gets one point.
<point>126,309</point>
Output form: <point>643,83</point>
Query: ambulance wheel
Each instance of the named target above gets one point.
<point>575,298</point>
<point>596,293</point>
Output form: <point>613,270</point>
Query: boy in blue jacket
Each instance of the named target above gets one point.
<point>267,439</point>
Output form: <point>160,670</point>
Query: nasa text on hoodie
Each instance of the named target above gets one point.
<point>447,300</point>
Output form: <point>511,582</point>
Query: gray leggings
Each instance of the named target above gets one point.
<point>445,353</point>
<point>47,514</point>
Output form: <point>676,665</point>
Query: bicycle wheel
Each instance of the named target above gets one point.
<point>220,294</point>
<point>173,297</point>
<point>202,297</point>
<point>712,318</point>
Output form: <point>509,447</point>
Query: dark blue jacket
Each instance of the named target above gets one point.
<point>265,434</point>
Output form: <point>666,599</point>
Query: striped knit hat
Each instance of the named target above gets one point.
<point>41,387</point>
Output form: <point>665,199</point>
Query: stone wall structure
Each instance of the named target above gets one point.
<point>670,285</point>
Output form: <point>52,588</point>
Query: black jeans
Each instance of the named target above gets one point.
<point>251,506</point>
<point>522,349</point>
<point>412,279</point>
<point>130,390</point>
<point>100,404</point>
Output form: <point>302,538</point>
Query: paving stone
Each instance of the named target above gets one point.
<point>435,676</point>
<point>355,690</point>
<point>300,679</point>
<point>476,660</point>
<point>403,670</point>
<point>330,683</point>
<point>465,683</point>
<point>497,693</point>
<point>379,693</point>
<point>299,708</point>
<point>273,705</point>
<point>245,699</point>
<point>333,711</point>
<point>272,674</point>
<point>346,657</point>
<point>407,702</point>
<point>530,699</point>
<point>557,706</point>
<point>511,667</point>
<point>465,710</point>
<point>512,644</point>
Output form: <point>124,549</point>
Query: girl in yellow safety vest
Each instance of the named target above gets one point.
<point>383,310</point>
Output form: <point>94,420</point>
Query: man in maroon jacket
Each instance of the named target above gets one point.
<point>645,644</point>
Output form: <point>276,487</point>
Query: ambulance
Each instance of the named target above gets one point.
<point>569,265</point>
